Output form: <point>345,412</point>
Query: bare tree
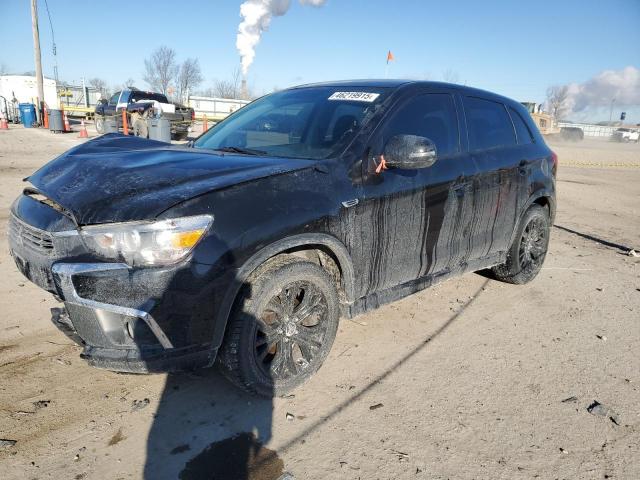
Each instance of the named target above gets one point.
<point>189,77</point>
<point>224,89</point>
<point>231,88</point>
<point>129,83</point>
<point>557,97</point>
<point>161,69</point>
<point>450,76</point>
<point>100,85</point>
<point>3,69</point>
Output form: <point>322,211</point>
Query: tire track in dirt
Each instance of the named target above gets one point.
<point>380,378</point>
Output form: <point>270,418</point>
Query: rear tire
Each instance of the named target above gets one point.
<point>529,248</point>
<point>282,327</point>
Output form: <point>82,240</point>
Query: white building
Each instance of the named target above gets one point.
<point>215,108</point>
<point>25,89</point>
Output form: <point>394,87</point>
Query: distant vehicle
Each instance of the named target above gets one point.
<point>247,244</point>
<point>140,105</point>
<point>625,135</point>
<point>548,125</point>
<point>543,120</point>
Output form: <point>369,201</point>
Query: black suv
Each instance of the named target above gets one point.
<point>247,244</point>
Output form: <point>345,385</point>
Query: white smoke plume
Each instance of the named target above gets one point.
<point>256,18</point>
<point>623,86</point>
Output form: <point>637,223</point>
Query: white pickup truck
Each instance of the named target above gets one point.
<point>139,105</point>
<point>625,135</point>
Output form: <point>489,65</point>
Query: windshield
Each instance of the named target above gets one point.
<point>313,123</point>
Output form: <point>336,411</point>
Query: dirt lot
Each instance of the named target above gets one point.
<point>470,379</point>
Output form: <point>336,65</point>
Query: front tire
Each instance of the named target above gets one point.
<point>99,122</point>
<point>140,128</point>
<point>529,248</point>
<point>282,328</point>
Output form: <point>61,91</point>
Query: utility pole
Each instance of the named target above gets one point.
<point>611,109</point>
<point>85,94</point>
<point>38,58</point>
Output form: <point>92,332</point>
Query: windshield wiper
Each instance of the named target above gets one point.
<point>244,151</point>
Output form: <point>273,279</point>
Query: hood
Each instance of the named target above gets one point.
<point>118,178</point>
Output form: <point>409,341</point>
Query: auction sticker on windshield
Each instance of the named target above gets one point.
<point>355,96</point>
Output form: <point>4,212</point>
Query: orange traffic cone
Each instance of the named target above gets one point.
<point>67,128</point>
<point>83,131</point>
<point>4,125</point>
<point>125,124</point>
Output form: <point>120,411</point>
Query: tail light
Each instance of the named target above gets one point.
<point>554,161</point>
<point>193,114</point>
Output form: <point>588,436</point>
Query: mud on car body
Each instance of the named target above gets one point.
<point>249,243</point>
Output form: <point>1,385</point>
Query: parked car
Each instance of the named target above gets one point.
<point>574,134</point>
<point>247,244</point>
<point>625,135</point>
<point>139,106</point>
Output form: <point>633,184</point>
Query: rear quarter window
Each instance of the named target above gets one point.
<point>522,131</point>
<point>488,124</point>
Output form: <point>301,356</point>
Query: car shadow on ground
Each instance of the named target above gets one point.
<point>205,428</point>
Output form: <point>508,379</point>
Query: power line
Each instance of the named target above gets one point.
<point>53,40</point>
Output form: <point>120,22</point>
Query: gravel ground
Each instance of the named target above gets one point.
<point>470,379</point>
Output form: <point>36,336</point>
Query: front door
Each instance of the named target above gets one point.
<point>407,218</point>
<point>110,107</point>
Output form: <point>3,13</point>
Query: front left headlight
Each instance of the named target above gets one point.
<point>147,243</point>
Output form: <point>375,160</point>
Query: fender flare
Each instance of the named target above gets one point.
<point>322,239</point>
<point>545,193</point>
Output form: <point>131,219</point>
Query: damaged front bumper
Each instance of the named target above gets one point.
<point>117,337</point>
<point>109,323</point>
<point>126,319</point>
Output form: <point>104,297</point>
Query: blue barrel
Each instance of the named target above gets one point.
<point>27,114</point>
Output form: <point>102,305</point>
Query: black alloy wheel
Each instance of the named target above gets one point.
<point>291,331</point>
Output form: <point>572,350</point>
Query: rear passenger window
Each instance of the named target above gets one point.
<point>522,131</point>
<point>488,124</point>
<point>432,115</point>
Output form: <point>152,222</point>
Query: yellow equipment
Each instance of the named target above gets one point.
<point>544,121</point>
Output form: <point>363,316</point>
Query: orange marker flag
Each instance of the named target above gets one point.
<point>390,57</point>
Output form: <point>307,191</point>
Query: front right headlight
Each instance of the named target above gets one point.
<point>147,243</point>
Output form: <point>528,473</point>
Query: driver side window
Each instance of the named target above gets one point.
<point>114,99</point>
<point>431,115</point>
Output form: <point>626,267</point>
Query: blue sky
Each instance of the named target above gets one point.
<point>516,48</point>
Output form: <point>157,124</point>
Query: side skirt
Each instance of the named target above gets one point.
<point>377,299</point>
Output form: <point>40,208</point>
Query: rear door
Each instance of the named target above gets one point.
<point>497,180</point>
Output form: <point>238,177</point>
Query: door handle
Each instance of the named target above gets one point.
<point>350,203</point>
<point>459,186</point>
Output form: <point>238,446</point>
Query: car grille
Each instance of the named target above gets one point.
<point>30,237</point>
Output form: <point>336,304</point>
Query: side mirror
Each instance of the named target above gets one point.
<point>102,101</point>
<point>410,152</point>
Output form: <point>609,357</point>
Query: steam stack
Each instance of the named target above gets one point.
<point>243,89</point>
